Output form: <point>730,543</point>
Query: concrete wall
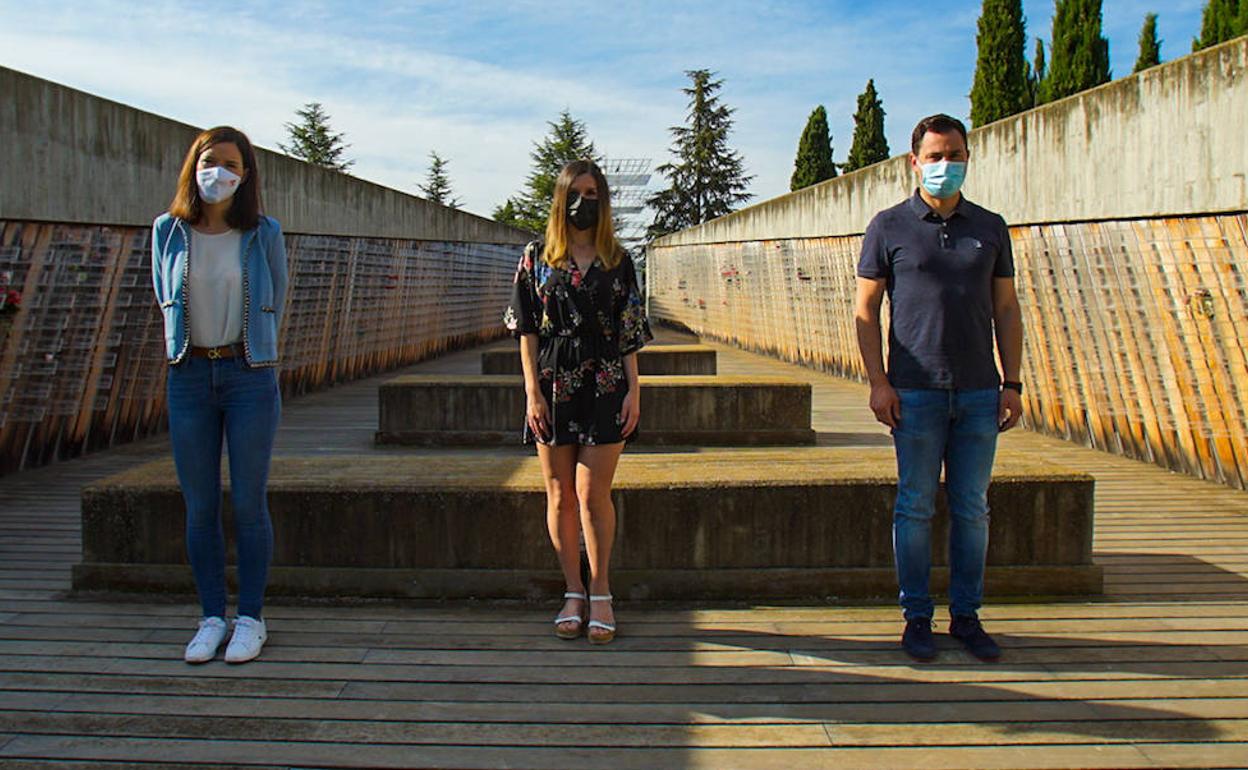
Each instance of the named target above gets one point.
<point>1167,141</point>
<point>67,156</point>
<point>1127,205</point>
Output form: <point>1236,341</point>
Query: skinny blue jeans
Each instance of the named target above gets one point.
<point>957,429</point>
<point>211,400</point>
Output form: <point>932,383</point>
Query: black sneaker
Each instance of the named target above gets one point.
<point>918,640</point>
<point>967,630</point>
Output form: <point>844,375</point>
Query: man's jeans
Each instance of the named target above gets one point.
<point>208,400</point>
<point>959,429</point>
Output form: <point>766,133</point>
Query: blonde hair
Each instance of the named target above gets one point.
<point>609,249</point>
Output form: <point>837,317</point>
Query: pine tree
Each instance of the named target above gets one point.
<point>869,145</point>
<point>312,140</point>
<point>1000,88</point>
<point>567,141</point>
<point>1080,51</point>
<point>437,186</point>
<point>1221,21</point>
<point>1039,72</point>
<point>814,152</point>
<point>1150,46</point>
<point>506,212</point>
<point>707,178</point>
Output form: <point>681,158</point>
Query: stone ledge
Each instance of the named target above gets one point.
<point>653,359</point>
<point>724,520</point>
<point>443,410</point>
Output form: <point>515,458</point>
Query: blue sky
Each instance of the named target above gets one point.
<point>478,81</point>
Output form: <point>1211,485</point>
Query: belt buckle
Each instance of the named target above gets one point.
<point>214,353</point>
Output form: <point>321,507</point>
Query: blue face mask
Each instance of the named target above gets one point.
<point>943,179</point>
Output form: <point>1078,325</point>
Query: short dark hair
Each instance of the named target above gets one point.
<point>940,123</point>
<point>244,211</point>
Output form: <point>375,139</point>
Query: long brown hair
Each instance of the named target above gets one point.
<point>556,252</point>
<point>244,211</point>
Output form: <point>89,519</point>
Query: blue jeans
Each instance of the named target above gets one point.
<point>210,400</point>
<point>956,428</point>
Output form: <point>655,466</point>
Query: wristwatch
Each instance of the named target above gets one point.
<point>1012,385</point>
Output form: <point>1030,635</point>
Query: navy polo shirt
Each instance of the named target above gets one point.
<point>939,274</point>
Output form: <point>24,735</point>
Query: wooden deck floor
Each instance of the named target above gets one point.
<point>1151,675</point>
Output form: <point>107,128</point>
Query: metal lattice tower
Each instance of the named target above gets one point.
<point>629,179</point>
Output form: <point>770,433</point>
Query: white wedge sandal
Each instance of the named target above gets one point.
<point>559,621</point>
<point>608,629</point>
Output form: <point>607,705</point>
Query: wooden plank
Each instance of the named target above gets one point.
<point>785,736</point>
<point>356,755</point>
<point>1230,755</point>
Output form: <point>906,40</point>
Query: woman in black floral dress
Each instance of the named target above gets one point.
<point>577,311</point>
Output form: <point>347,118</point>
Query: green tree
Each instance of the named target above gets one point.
<point>437,186</point>
<point>707,177</point>
<point>567,141</point>
<point>312,140</point>
<point>506,212</point>
<point>814,152</point>
<point>1221,21</point>
<point>1150,46</point>
<point>1001,86</point>
<point>1038,73</point>
<point>1080,51</point>
<point>869,145</point>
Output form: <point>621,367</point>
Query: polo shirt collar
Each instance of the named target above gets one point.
<point>924,211</point>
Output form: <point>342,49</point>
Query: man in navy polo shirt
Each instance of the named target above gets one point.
<point>948,270</point>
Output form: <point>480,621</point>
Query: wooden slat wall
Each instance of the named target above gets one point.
<point>82,365</point>
<point>1137,331</point>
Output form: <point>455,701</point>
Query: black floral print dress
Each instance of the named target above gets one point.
<point>586,324</point>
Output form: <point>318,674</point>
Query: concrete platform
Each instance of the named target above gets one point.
<point>653,359</point>
<point>482,410</point>
<point>720,524</point>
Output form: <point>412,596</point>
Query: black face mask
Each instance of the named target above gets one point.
<point>582,211</point>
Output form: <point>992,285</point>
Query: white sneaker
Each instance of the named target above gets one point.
<point>207,641</point>
<point>248,640</point>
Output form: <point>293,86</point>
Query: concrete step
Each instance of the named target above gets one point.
<point>685,410</point>
<point>654,359</point>
<point>714,524</point>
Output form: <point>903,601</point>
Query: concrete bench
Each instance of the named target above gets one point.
<point>653,359</point>
<point>717,524</point>
<point>467,410</point>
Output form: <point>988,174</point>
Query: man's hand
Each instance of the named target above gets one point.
<point>1011,409</point>
<point>886,404</point>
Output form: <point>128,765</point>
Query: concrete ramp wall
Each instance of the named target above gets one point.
<point>379,278</point>
<point>1127,205</point>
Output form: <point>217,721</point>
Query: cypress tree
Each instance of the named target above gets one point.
<point>1150,46</point>
<point>567,141</point>
<point>707,177</point>
<point>869,145</point>
<point>1221,21</point>
<point>1080,51</point>
<point>814,152</point>
<point>312,140</point>
<point>437,186</point>
<point>1038,75</point>
<point>1000,87</point>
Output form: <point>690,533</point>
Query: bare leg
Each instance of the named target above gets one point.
<point>559,471</point>
<point>595,471</point>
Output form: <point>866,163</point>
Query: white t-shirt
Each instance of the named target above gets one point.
<point>216,286</point>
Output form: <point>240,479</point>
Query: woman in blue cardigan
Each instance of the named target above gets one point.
<point>219,271</point>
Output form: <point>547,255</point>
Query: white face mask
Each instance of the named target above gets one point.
<point>217,184</point>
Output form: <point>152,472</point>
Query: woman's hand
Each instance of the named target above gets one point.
<point>630,411</point>
<point>537,415</point>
